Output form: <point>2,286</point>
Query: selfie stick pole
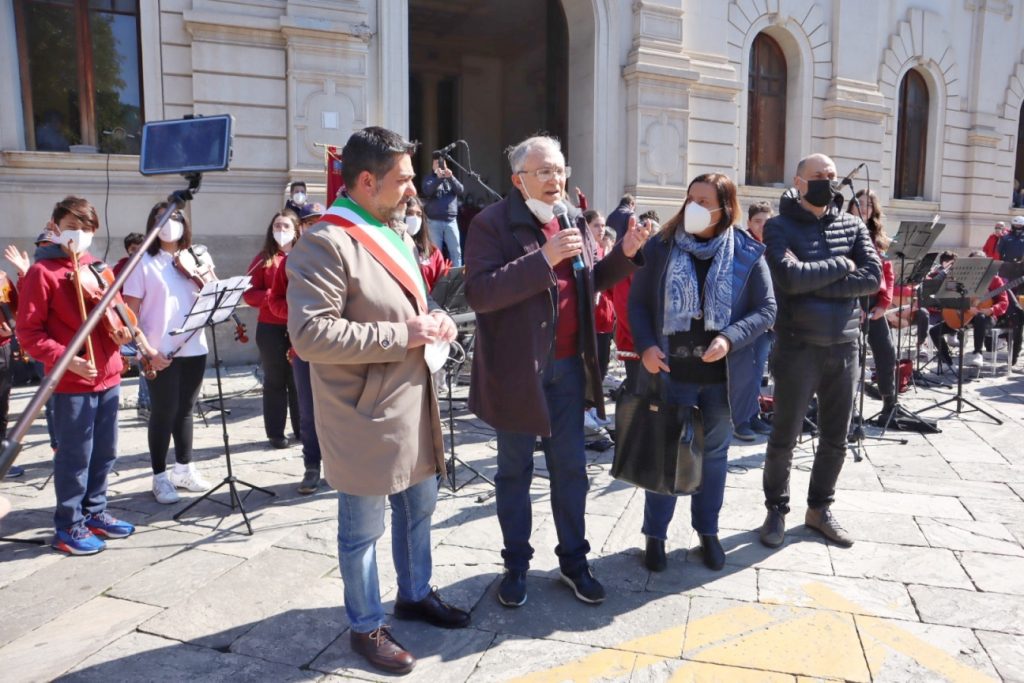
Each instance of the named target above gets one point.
<point>12,444</point>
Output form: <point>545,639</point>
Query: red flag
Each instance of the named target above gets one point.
<point>335,183</point>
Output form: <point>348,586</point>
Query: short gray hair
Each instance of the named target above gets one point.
<point>517,154</point>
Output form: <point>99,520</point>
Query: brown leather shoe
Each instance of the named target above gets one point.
<point>821,520</point>
<point>433,610</point>
<point>381,650</point>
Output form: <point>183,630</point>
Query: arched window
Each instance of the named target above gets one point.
<point>911,137</point>
<point>766,112</point>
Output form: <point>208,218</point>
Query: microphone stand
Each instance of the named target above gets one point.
<point>469,171</point>
<point>858,434</point>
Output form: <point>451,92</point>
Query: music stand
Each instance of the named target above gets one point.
<point>216,301</point>
<point>912,243</point>
<point>968,279</point>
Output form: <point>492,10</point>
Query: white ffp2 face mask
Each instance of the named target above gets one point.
<point>696,218</point>
<point>172,231</point>
<point>284,237</point>
<point>542,211</point>
<point>80,239</point>
<point>436,355</point>
<point>413,225</point>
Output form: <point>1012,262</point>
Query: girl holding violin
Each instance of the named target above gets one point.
<point>53,306</point>
<point>160,291</point>
<point>279,397</point>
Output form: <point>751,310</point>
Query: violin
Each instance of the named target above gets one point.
<point>241,333</point>
<point>189,262</point>
<point>93,281</point>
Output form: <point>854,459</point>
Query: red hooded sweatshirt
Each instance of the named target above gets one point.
<point>48,317</point>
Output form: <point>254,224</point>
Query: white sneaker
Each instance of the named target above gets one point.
<point>163,490</point>
<point>974,359</point>
<point>190,480</point>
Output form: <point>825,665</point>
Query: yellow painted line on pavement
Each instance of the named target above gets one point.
<point>744,643</point>
<point>887,633</point>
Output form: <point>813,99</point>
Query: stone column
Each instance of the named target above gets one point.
<point>658,78</point>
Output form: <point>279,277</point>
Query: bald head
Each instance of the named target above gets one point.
<point>814,163</point>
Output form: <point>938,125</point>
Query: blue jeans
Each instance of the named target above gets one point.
<point>713,401</point>
<point>307,426</point>
<point>762,349</point>
<point>446,233</point>
<point>567,467</point>
<point>86,429</point>
<point>360,524</point>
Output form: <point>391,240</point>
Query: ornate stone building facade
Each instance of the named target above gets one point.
<point>645,94</point>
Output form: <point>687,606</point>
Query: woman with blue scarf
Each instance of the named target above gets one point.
<point>696,307</point>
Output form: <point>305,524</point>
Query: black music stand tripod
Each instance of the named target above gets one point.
<point>967,279</point>
<point>912,242</point>
<point>215,303</point>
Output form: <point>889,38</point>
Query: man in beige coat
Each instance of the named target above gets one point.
<point>359,312</point>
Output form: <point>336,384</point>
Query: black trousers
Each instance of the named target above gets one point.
<point>884,353</point>
<point>172,398</point>
<point>980,323</point>
<point>604,352</point>
<point>802,370</point>
<point>6,351</point>
<point>279,395</point>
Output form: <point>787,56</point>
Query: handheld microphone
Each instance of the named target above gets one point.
<point>848,180</point>
<point>562,214</point>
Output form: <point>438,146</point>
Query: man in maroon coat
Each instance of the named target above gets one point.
<point>535,364</point>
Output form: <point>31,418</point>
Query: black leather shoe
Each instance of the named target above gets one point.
<point>773,531</point>
<point>714,555</point>
<point>381,650</point>
<point>433,610</point>
<point>654,555</point>
<point>279,442</point>
<point>512,591</point>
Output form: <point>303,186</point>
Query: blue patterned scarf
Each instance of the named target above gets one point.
<point>682,298</point>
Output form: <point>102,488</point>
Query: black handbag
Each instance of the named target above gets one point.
<point>659,446</point>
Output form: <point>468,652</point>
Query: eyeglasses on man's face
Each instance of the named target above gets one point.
<point>549,173</point>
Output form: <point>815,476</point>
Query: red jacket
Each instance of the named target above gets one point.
<point>885,292</point>
<point>1001,302</point>
<point>623,335</point>
<point>48,317</point>
<point>991,245</point>
<point>604,312</point>
<point>262,279</point>
<point>434,268</point>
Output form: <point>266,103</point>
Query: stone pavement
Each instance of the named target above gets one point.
<point>933,589</point>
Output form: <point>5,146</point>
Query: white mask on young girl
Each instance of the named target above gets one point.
<point>413,225</point>
<point>80,239</point>
<point>172,231</point>
<point>284,237</point>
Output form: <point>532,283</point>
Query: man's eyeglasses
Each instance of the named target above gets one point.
<point>548,174</point>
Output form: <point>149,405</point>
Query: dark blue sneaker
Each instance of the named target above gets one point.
<point>743,432</point>
<point>584,585</point>
<point>14,471</point>
<point>760,426</point>
<point>77,540</point>
<point>108,526</point>
<point>512,591</point>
